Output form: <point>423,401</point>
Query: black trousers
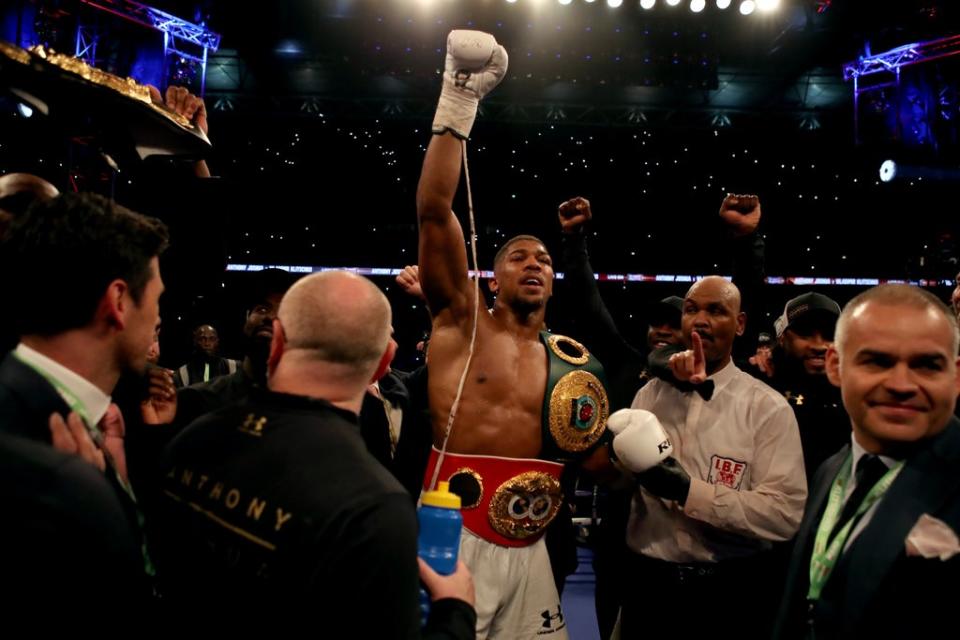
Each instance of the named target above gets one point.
<point>731,598</point>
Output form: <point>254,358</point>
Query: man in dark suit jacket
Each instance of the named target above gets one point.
<point>67,530</point>
<point>878,544</point>
<point>88,288</point>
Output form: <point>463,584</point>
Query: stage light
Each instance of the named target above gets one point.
<point>697,5</point>
<point>613,4</point>
<point>723,4</point>
<point>768,5</point>
<point>512,1</point>
<point>673,3</point>
<point>888,170</point>
<point>25,110</point>
<point>747,7</point>
<point>564,1</point>
<point>647,4</point>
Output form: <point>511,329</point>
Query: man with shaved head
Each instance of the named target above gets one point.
<point>703,521</point>
<point>277,501</point>
<point>18,191</point>
<point>878,542</point>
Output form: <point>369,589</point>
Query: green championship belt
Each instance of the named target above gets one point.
<point>575,404</point>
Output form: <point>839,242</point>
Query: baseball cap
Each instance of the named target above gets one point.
<point>811,310</point>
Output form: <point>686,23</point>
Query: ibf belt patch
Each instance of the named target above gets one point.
<point>726,471</point>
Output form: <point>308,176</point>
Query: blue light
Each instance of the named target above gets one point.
<point>289,48</point>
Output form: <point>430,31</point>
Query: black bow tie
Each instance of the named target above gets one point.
<point>705,388</point>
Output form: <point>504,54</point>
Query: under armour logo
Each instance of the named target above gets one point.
<point>460,78</point>
<point>795,399</point>
<point>549,617</point>
<point>253,425</point>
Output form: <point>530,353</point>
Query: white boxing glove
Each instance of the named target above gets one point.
<point>475,65</point>
<point>639,441</point>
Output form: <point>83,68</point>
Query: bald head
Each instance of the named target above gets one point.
<point>26,186</point>
<point>711,309</point>
<point>14,183</point>
<point>717,287</point>
<point>18,191</point>
<point>339,318</point>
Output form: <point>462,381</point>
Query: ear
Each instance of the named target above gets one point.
<point>957,380</point>
<point>493,285</point>
<point>114,304</point>
<point>741,323</point>
<point>833,367</point>
<point>385,361</point>
<point>277,345</point>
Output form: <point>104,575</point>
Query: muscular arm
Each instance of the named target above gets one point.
<point>443,256</point>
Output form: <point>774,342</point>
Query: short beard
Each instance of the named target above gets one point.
<point>523,308</point>
<point>257,348</point>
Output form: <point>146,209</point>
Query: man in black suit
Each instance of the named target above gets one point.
<point>878,545</point>
<point>87,288</point>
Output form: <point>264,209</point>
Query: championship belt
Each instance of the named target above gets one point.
<point>575,404</point>
<point>70,90</point>
<point>506,501</point>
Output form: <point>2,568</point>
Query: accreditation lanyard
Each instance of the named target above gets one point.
<point>77,406</point>
<point>825,555</point>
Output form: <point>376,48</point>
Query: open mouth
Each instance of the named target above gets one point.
<point>532,282</point>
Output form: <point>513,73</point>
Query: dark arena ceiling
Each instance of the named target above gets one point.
<point>320,113</point>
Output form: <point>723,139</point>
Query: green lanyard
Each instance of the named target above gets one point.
<point>77,406</point>
<point>825,556</point>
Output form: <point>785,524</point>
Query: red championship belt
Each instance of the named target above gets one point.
<point>506,501</point>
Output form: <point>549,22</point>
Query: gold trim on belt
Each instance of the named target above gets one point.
<point>525,504</point>
<point>578,411</point>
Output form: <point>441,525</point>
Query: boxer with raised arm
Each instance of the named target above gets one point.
<point>529,398</point>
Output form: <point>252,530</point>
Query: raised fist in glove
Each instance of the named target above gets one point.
<point>475,65</point>
<point>639,441</point>
<point>666,480</point>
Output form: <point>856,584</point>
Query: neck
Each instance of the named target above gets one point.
<point>713,367</point>
<point>256,370</point>
<point>527,324</point>
<point>318,380</point>
<point>72,349</point>
<point>895,450</point>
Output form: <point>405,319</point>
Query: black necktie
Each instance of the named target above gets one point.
<point>870,469</point>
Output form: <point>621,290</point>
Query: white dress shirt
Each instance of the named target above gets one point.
<point>94,401</point>
<point>747,482</point>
